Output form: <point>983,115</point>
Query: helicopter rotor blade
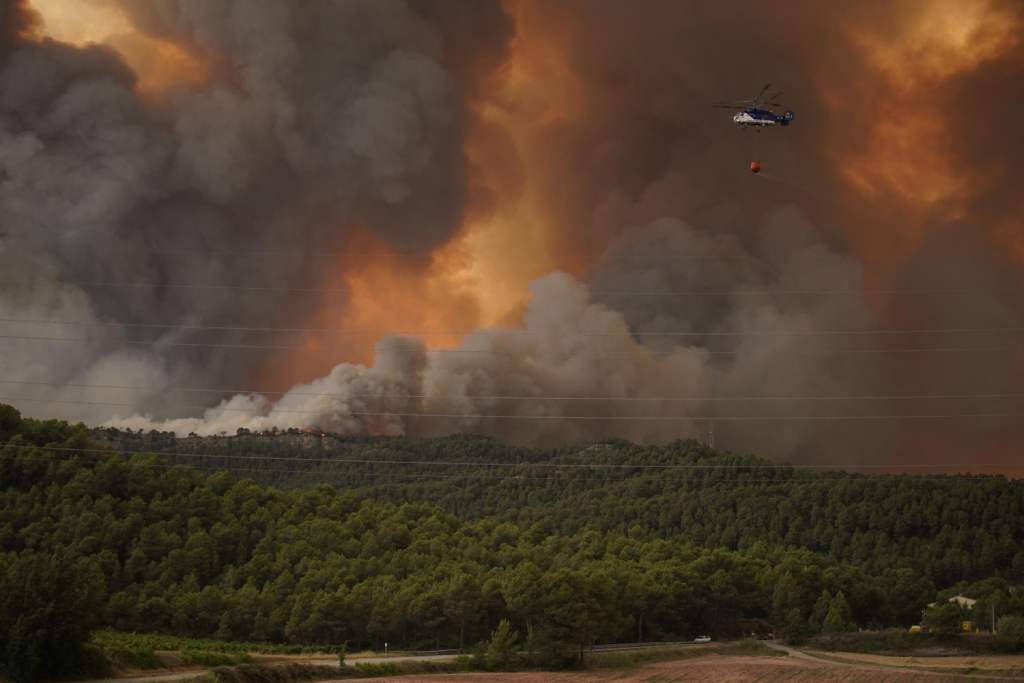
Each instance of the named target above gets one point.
<point>763,91</point>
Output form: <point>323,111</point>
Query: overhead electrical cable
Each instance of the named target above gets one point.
<point>501,352</point>
<point>338,474</point>
<point>509,331</point>
<point>523,397</point>
<point>753,291</point>
<point>550,418</point>
<point>541,465</point>
<point>319,251</point>
<point>563,476</point>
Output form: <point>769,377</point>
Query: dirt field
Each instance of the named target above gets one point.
<point>982,663</point>
<point>718,668</point>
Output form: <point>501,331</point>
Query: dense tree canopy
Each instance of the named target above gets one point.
<point>436,555</point>
<point>926,531</point>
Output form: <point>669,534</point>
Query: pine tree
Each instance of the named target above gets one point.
<point>839,618</point>
<point>820,611</point>
<point>501,650</point>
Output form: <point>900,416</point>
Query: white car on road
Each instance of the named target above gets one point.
<point>702,639</point>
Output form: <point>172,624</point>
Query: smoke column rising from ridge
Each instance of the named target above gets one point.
<point>295,148</point>
<point>490,145</point>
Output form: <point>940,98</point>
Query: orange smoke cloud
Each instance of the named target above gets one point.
<point>903,160</point>
<point>375,292</point>
<point>507,236</point>
<point>996,454</point>
<point>160,65</point>
<point>1011,233</point>
<point>480,278</point>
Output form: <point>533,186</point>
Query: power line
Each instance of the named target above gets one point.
<point>554,418</point>
<point>543,465</point>
<point>523,397</point>
<point>506,331</point>
<point>200,286</point>
<point>498,352</point>
<point>672,293</point>
<point>142,342</point>
<point>938,478</point>
<point>792,292</point>
<point>336,473</point>
<point>135,249</point>
<point>299,473</point>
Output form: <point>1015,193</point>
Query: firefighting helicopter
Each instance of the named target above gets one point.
<point>758,112</point>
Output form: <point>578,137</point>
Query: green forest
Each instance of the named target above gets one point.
<point>429,544</point>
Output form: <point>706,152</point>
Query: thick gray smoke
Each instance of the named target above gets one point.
<point>323,116</point>
<point>318,117</point>
<point>580,369</point>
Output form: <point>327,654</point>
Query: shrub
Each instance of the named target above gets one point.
<point>287,673</point>
<point>794,630</point>
<point>132,657</point>
<point>942,619</point>
<point>381,669</point>
<point>205,658</point>
<point>1011,627</point>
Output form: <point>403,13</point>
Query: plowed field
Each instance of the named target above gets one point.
<point>721,669</point>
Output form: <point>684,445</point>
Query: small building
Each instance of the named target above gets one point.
<point>963,601</point>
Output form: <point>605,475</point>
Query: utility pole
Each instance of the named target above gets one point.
<point>711,435</point>
<point>993,606</point>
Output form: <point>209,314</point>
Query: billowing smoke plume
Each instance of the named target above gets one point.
<point>584,353</point>
<point>899,155</point>
<point>889,204</point>
<point>224,205</point>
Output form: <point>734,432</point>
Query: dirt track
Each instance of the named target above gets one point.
<point>713,668</point>
<point>797,666</point>
<point>996,662</point>
<point>186,673</point>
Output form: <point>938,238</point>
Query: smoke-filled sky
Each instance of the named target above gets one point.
<point>435,216</point>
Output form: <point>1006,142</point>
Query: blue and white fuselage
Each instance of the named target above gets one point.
<point>753,116</point>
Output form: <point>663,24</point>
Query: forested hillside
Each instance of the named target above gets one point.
<point>946,528</point>
<point>406,547</point>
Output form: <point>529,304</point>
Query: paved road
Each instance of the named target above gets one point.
<point>400,658</point>
<point>185,674</point>
<point>154,678</point>
<point>792,652</point>
<point>319,661</point>
<point>646,646</point>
